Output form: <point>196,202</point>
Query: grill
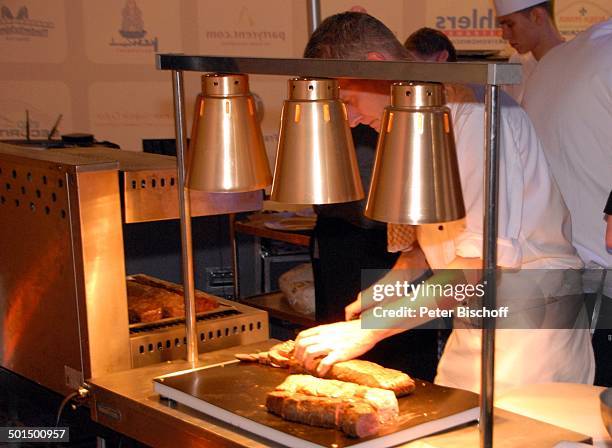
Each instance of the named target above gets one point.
<point>63,295</point>
<point>232,324</point>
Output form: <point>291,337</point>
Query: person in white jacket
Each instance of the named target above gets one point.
<point>529,27</point>
<point>569,101</point>
<point>533,232</point>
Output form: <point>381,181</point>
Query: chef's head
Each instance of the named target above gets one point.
<point>358,36</point>
<point>430,45</point>
<point>523,21</point>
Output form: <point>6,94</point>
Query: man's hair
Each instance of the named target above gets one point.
<point>352,35</point>
<point>547,6</point>
<point>427,41</point>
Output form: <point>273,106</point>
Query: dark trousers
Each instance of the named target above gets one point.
<point>344,251</point>
<point>602,340</point>
<point>602,346</point>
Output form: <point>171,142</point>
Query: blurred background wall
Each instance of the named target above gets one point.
<point>93,61</point>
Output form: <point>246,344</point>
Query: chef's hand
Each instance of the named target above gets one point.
<point>334,343</point>
<point>353,309</point>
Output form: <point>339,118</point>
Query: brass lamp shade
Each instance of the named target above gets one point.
<point>226,152</point>
<point>416,175</point>
<point>316,161</point>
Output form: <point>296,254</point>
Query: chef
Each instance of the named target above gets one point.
<point>529,27</point>
<point>345,242</point>
<point>533,234</point>
<point>570,105</point>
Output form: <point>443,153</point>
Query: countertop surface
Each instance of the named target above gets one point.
<point>133,389</point>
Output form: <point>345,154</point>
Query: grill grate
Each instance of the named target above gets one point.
<point>166,340</point>
<point>177,322</point>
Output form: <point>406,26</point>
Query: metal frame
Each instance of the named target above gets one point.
<point>314,15</point>
<point>457,72</point>
<point>185,216</point>
<point>491,74</point>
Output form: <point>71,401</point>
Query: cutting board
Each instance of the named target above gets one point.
<point>236,393</point>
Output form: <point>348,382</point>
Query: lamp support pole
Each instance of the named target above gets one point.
<point>491,186</point>
<point>185,216</point>
<point>314,15</point>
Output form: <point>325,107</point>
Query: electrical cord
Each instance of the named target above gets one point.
<point>65,401</point>
<point>81,395</point>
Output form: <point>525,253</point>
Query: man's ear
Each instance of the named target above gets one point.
<point>538,15</point>
<point>375,56</point>
<point>441,56</point>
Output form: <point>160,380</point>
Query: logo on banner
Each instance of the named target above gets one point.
<point>130,118</point>
<point>132,35</point>
<point>473,29</point>
<point>17,24</point>
<point>246,32</point>
<point>18,128</point>
<point>579,16</point>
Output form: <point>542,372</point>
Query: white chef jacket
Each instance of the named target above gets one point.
<point>534,229</point>
<point>569,101</point>
<point>528,64</point>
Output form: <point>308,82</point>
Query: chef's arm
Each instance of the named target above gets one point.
<point>380,315</point>
<point>347,340</point>
<point>410,266</point>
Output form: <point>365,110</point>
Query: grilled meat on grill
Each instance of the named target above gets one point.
<point>150,299</point>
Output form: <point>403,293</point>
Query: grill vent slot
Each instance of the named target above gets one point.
<point>37,192</point>
<point>161,345</point>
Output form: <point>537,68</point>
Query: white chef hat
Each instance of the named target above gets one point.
<point>504,7</point>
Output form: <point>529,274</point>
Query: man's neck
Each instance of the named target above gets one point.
<point>550,39</point>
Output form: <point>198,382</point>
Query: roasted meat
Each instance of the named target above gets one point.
<point>356,418</point>
<point>143,303</point>
<point>369,374</point>
<point>278,356</point>
<point>383,401</point>
<point>150,299</point>
<point>355,371</point>
<point>203,301</point>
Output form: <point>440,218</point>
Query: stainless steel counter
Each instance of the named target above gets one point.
<point>127,403</point>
